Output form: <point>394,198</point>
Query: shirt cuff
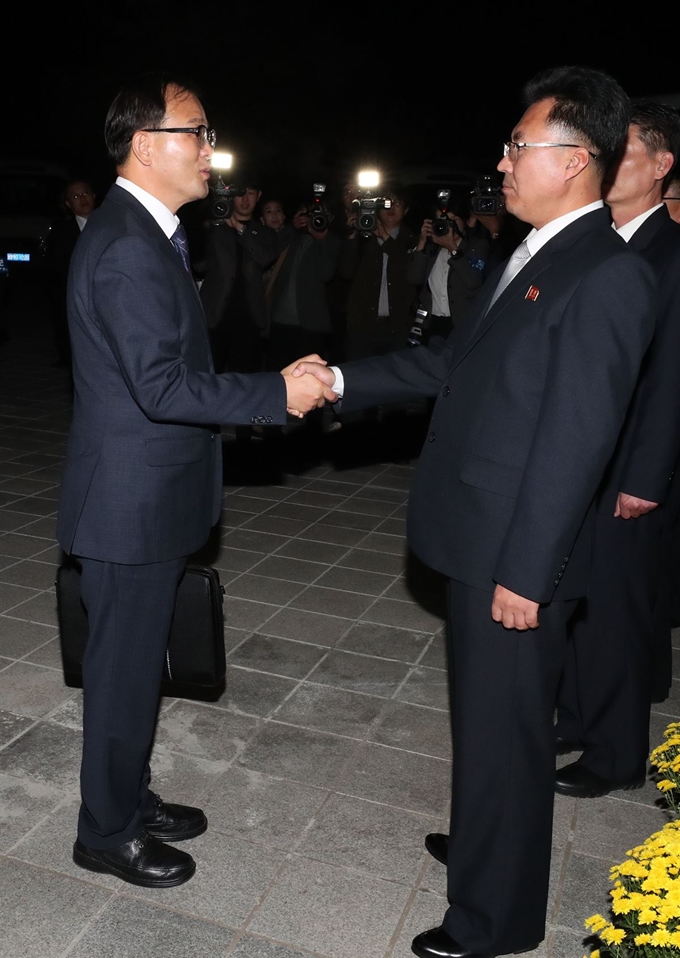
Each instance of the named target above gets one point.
<point>339,387</point>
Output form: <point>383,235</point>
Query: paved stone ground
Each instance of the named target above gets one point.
<point>323,765</point>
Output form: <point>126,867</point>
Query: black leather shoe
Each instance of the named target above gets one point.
<point>579,782</point>
<point>436,943</point>
<point>143,861</point>
<point>563,746</point>
<point>174,823</point>
<point>438,846</point>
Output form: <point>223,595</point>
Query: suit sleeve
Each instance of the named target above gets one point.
<point>655,440</point>
<point>595,355</point>
<point>400,376</point>
<point>139,312</point>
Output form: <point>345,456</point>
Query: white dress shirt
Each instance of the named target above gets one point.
<point>628,229</point>
<point>167,221</point>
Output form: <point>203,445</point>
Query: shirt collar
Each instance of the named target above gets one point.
<point>167,221</point>
<point>538,238</point>
<point>628,229</point>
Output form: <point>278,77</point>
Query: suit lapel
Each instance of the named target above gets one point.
<point>483,317</point>
<point>650,229</point>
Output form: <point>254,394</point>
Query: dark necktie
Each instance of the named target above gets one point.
<point>179,241</point>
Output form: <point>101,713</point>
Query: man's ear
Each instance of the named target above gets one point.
<point>664,165</point>
<point>141,147</point>
<point>578,161</point>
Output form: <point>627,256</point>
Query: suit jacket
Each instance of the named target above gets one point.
<point>143,477</point>
<point>649,445</point>
<point>308,266</point>
<point>259,248</point>
<point>530,400</point>
<point>465,276</point>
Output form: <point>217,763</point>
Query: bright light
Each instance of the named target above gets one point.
<point>221,161</point>
<point>368,178</point>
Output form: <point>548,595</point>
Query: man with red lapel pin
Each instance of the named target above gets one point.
<point>532,391</point>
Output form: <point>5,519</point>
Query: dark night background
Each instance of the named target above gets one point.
<point>306,92</point>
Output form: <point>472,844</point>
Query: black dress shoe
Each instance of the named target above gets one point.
<point>143,861</point>
<point>174,823</point>
<point>438,846</point>
<point>579,782</point>
<point>437,943</point>
<point>563,746</point>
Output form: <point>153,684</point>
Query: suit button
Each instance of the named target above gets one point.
<point>445,391</point>
<point>268,419</point>
<point>431,437</point>
<point>212,437</point>
<point>557,582</point>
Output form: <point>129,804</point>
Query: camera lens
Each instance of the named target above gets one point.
<point>221,210</point>
<point>367,222</point>
<point>319,222</point>
<point>440,227</point>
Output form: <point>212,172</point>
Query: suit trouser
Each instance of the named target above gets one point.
<point>605,695</point>
<point>503,685</point>
<point>129,611</point>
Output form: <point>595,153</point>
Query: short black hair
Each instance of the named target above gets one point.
<point>659,130</point>
<point>589,105</point>
<point>140,104</point>
<point>673,184</point>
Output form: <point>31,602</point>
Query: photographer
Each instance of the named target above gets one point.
<point>239,249</point>
<point>380,298</point>
<point>299,310</point>
<point>449,268</point>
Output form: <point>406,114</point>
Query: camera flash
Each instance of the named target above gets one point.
<point>368,178</point>
<point>221,161</point>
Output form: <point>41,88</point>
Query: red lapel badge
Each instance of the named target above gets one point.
<point>532,293</point>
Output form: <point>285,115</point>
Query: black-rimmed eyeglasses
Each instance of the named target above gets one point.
<point>511,148</point>
<point>202,133</point>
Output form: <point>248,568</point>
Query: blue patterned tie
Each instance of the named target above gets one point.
<point>179,241</point>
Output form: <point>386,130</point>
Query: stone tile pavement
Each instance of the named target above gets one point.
<point>322,766</point>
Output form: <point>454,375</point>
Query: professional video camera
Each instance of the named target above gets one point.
<point>319,216</point>
<point>222,199</point>
<point>487,197</point>
<point>366,208</point>
<point>441,224</point>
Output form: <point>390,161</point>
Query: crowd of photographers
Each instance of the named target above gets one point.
<point>344,281</point>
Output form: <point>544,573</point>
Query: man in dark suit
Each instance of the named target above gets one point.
<point>532,391</point>
<point>142,479</point>
<point>239,249</point>
<point>78,200</point>
<point>606,691</point>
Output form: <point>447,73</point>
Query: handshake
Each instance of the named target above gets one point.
<point>309,384</point>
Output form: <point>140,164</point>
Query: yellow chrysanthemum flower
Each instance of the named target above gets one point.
<point>614,936</point>
<point>595,923</point>
<point>643,939</point>
<point>660,937</point>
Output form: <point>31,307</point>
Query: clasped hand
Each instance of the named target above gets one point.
<point>308,385</point>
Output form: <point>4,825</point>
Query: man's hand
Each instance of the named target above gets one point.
<point>514,611</point>
<point>309,365</point>
<point>235,224</point>
<point>305,391</point>
<point>631,507</point>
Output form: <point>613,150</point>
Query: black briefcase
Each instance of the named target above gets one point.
<point>195,665</point>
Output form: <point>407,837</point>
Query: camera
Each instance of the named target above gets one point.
<point>366,208</point>
<point>222,206</point>
<point>421,323</point>
<point>319,216</point>
<point>441,224</point>
<point>487,197</point>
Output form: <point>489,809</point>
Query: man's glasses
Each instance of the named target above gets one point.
<point>202,133</point>
<point>512,149</point>
<point>670,197</point>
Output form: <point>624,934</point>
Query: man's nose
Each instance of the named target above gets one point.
<point>504,165</point>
